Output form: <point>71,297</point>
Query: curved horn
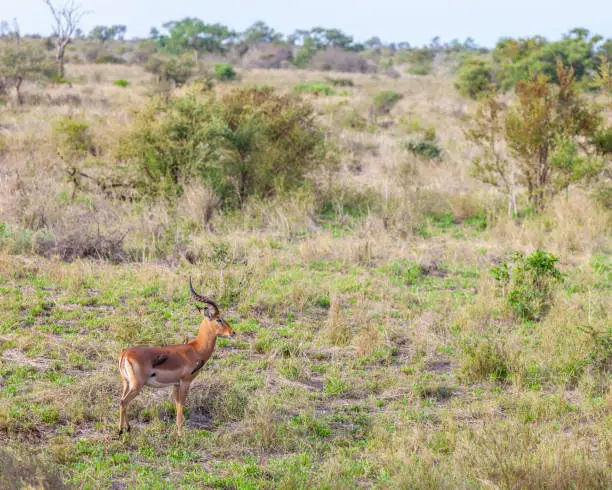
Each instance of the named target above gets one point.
<point>203,299</point>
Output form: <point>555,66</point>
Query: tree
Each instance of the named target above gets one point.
<point>261,33</point>
<point>66,17</point>
<point>493,166</point>
<point>192,34</point>
<point>550,132</point>
<point>22,62</point>
<point>105,33</point>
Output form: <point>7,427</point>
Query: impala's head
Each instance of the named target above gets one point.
<point>214,319</point>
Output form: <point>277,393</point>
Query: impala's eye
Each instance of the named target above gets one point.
<point>219,321</point>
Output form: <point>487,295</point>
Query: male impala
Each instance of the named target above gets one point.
<point>175,365</point>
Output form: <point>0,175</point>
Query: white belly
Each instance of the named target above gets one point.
<point>154,383</point>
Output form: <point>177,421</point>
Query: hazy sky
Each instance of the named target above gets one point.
<point>413,21</point>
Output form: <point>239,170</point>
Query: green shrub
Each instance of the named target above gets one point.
<point>225,72</point>
<point>110,59</point>
<point>421,61</point>
<point>176,70</point>
<point>318,88</point>
<point>385,101</point>
<point>474,78</point>
<point>529,284</point>
<point>250,142</point>
<point>121,83</point>
<point>72,138</point>
<point>424,148</point>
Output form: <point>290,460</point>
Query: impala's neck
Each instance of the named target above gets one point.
<point>204,343</point>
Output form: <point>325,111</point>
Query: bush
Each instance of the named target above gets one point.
<point>316,88</point>
<point>73,138</point>
<point>474,78</point>
<point>225,72</point>
<point>529,285</point>
<point>250,142</point>
<point>110,59</point>
<point>174,70</point>
<point>385,101</point>
<point>121,83</point>
<point>336,59</point>
<point>267,56</point>
<point>421,60</point>
<point>425,148</point>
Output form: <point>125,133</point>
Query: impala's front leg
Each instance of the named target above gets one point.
<point>183,389</point>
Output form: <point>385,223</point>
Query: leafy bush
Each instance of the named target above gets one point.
<point>175,70</point>
<point>314,88</point>
<point>73,138</point>
<point>529,285</point>
<point>421,61</point>
<point>250,142</point>
<point>474,78</point>
<point>110,59</point>
<point>225,72</point>
<point>385,101</point>
<point>425,148</point>
<point>121,83</point>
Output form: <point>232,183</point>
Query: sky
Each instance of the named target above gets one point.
<point>392,20</point>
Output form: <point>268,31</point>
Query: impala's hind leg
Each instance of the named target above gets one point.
<point>131,388</point>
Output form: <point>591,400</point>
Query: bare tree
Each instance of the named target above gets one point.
<point>67,17</point>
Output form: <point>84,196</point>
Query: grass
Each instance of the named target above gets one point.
<point>372,347</point>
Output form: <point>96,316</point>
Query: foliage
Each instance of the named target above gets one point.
<point>21,62</point>
<point>544,131</point>
<point>261,33</point>
<point>519,59</point>
<point>384,101</point>
<point>224,72</point>
<point>474,78</point>
<point>529,284</point>
<point>250,142</point>
<point>121,83</point>
<point>192,34</point>
<point>425,148</point>
<point>176,69</point>
<point>73,138</point>
<point>420,61</point>
<point>108,33</point>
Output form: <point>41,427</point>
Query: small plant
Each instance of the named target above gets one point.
<point>484,359</point>
<point>384,101</point>
<point>225,72</point>
<point>121,83</point>
<point>424,148</point>
<point>316,88</point>
<point>529,285</point>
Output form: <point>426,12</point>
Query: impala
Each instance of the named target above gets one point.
<point>174,365</point>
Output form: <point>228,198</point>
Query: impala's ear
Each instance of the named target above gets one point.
<point>209,313</point>
<point>199,308</point>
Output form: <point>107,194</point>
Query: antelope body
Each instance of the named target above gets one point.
<point>174,365</point>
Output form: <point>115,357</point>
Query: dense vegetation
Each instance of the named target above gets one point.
<point>414,253</point>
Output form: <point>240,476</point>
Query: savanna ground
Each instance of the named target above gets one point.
<point>373,347</point>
